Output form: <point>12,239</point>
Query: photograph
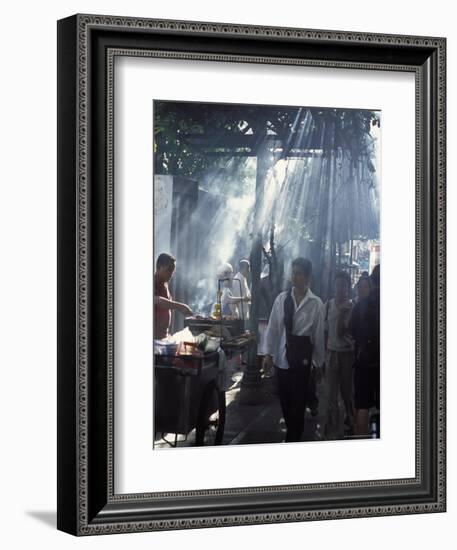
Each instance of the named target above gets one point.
<point>229,351</point>
<point>228,236</point>
<point>267,256</point>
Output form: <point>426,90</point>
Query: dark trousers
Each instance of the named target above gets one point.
<point>293,389</point>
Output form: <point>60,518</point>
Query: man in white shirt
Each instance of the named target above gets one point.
<point>242,276</point>
<point>294,339</point>
<point>229,302</point>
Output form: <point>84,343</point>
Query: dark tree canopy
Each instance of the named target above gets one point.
<point>191,137</point>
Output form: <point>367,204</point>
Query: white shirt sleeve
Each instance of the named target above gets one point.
<point>317,337</point>
<point>247,292</point>
<point>273,332</point>
<point>243,288</point>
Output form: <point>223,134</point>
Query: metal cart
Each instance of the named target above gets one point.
<point>191,395</point>
<point>188,395</point>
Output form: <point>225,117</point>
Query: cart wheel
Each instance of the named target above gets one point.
<point>211,417</point>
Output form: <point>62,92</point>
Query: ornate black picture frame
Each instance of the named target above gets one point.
<point>87,46</point>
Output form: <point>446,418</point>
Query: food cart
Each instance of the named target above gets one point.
<point>189,384</point>
<point>189,393</point>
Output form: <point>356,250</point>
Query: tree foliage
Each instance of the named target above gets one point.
<point>189,138</point>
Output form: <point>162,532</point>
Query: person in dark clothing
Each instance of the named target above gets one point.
<point>363,287</point>
<point>364,327</point>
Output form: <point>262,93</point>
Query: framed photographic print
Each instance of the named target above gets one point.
<point>229,350</point>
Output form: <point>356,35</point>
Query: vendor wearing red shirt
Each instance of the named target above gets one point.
<point>163,303</point>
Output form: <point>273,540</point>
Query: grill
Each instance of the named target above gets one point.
<point>196,325</point>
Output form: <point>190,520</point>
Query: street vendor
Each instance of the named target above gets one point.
<point>229,301</point>
<point>163,303</point>
<point>294,340</point>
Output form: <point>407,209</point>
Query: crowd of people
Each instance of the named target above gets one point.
<point>306,343</point>
<point>336,343</point>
